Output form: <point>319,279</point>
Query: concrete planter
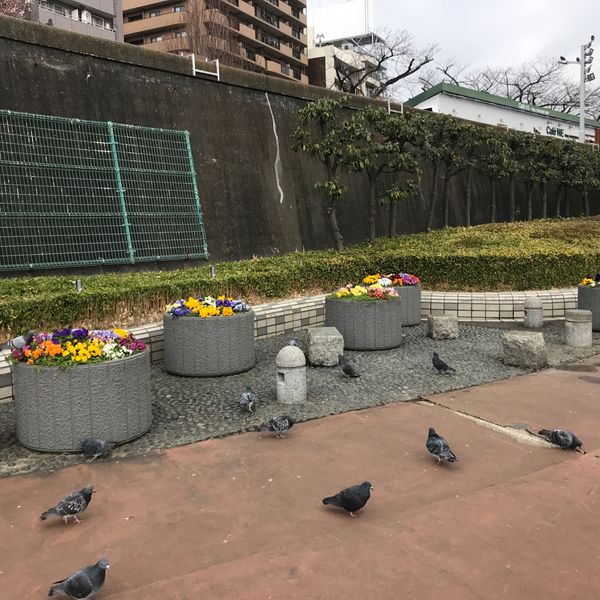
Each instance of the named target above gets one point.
<point>588,298</point>
<point>366,325</point>
<point>209,347</point>
<point>56,408</point>
<point>410,300</point>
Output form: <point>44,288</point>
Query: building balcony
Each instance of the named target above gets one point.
<point>130,5</point>
<point>281,9</point>
<point>214,15</point>
<point>171,44</point>
<point>166,21</point>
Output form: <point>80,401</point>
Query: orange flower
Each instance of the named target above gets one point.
<point>37,353</point>
<point>227,311</point>
<point>27,353</point>
<point>30,361</point>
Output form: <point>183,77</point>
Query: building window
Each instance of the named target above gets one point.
<point>296,12</point>
<point>274,2</point>
<point>180,8</point>
<point>267,16</point>
<point>297,73</point>
<point>154,13</point>
<point>285,69</point>
<point>250,53</point>
<point>97,21</point>
<point>269,40</point>
<point>296,32</point>
<point>181,34</point>
<point>135,17</point>
<point>156,38</point>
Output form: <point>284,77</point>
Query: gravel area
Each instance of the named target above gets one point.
<point>188,409</point>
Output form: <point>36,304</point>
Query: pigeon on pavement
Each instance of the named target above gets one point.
<point>561,437</point>
<point>293,342</point>
<point>351,499</point>
<point>19,342</point>
<point>438,447</point>
<point>95,447</point>
<point>82,585</point>
<point>440,365</point>
<point>279,425</point>
<point>347,369</point>
<point>72,505</point>
<point>248,399</point>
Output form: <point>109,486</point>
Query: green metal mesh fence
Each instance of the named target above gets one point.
<point>75,193</point>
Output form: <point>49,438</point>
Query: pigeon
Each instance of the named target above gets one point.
<point>351,499</point>
<point>563,438</point>
<point>248,399</point>
<point>293,342</point>
<point>438,447</point>
<point>19,342</point>
<point>72,505</point>
<point>279,425</point>
<point>82,585</point>
<point>440,365</point>
<point>95,447</point>
<point>347,369</point>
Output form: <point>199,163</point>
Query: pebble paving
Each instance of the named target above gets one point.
<point>187,409</point>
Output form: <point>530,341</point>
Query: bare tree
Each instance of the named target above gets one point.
<point>389,58</point>
<point>543,83</point>
<point>20,9</point>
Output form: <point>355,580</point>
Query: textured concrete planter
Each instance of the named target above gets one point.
<point>56,408</point>
<point>588,298</point>
<point>410,297</point>
<point>366,325</point>
<point>209,347</point>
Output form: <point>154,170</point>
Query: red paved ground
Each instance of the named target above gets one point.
<point>241,517</point>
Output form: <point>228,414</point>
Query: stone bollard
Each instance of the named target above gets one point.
<point>291,375</point>
<point>578,328</point>
<point>534,313</point>
<point>524,349</point>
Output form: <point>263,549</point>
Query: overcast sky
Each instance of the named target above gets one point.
<point>474,32</point>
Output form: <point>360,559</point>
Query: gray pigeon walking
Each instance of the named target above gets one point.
<point>248,399</point>
<point>279,426</point>
<point>440,365</point>
<point>563,438</point>
<point>82,585</point>
<point>347,369</point>
<point>351,499</point>
<point>19,342</point>
<point>438,447</point>
<point>93,448</point>
<point>71,506</point>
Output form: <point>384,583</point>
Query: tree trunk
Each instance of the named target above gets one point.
<point>529,201</point>
<point>468,197</point>
<point>493,208</point>
<point>393,218</point>
<point>511,216</point>
<point>432,199</point>
<point>567,203</point>
<point>544,193</point>
<point>558,198</point>
<point>445,199</point>
<point>372,204</point>
<point>335,228</point>
<point>586,202</point>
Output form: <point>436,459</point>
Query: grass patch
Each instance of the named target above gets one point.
<point>540,254</point>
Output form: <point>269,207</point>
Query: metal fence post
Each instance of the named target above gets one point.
<point>120,190</point>
<point>195,186</point>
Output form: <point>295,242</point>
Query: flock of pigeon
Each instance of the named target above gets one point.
<point>87,582</point>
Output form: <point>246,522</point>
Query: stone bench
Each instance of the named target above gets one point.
<point>525,349</point>
<point>442,327</point>
<point>325,344</point>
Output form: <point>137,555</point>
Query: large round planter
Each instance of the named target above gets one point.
<point>366,325</point>
<point>588,298</point>
<point>209,347</point>
<point>57,408</point>
<point>410,300</point>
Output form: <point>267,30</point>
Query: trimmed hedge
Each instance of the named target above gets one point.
<point>519,256</point>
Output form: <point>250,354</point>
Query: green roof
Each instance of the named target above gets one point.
<point>456,90</point>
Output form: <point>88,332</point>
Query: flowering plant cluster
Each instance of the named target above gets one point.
<point>206,307</point>
<point>396,279</point>
<point>66,347</point>
<point>588,281</point>
<point>375,291</point>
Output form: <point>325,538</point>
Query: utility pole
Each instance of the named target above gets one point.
<point>584,60</point>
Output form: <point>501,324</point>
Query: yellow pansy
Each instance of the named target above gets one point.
<point>122,333</point>
<point>227,311</point>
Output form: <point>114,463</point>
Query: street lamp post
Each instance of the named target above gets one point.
<point>585,66</point>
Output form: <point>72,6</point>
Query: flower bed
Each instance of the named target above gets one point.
<point>369,318</point>
<point>588,298</point>
<point>408,287</point>
<point>73,384</point>
<point>206,337</point>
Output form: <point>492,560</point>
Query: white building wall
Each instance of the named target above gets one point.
<point>521,120</point>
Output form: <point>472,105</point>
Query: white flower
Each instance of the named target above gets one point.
<point>385,281</point>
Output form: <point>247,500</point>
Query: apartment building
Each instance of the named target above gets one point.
<point>267,36</point>
<point>99,18</point>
